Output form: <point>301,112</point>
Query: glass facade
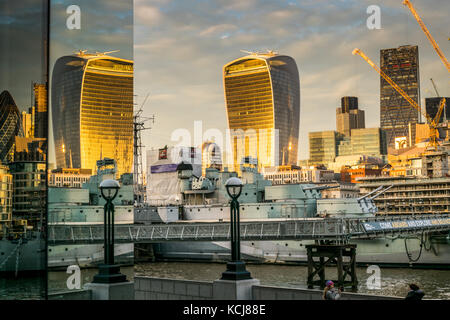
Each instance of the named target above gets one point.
<point>368,141</point>
<point>92,111</point>
<point>262,94</point>
<point>6,191</point>
<point>323,146</point>
<point>10,126</point>
<point>402,66</point>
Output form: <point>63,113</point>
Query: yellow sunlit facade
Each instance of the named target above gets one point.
<point>99,90</point>
<point>262,95</point>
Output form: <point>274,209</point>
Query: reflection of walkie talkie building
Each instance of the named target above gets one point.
<point>92,111</point>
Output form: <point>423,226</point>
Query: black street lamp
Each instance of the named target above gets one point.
<point>235,268</point>
<point>109,272</point>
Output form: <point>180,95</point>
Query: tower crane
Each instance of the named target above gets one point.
<point>433,123</point>
<point>427,33</point>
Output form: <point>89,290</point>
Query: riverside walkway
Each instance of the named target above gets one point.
<point>341,230</point>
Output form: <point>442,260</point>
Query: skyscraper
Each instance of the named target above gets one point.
<point>262,95</point>
<point>40,110</point>
<point>402,66</point>
<point>92,111</point>
<point>10,126</point>
<point>348,116</point>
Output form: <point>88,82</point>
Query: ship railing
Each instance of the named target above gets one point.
<point>338,229</point>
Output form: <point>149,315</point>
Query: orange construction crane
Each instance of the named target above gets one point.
<point>427,33</point>
<point>433,123</point>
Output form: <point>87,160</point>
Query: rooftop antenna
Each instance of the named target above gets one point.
<point>106,52</point>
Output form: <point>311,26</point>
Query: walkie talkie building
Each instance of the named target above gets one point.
<point>92,111</point>
<point>262,94</point>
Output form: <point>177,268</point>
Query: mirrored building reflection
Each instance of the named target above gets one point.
<point>262,94</point>
<point>23,148</point>
<point>92,111</point>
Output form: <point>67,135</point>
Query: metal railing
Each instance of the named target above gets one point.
<point>298,229</point>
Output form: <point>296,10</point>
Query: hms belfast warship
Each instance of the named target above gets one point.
<point>192,198</point>
<point>84,206</point>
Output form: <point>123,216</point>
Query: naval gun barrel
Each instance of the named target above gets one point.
<point>370,193</point>
<point>381,192</point>
<point>321,187</point>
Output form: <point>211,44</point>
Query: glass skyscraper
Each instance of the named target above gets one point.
<point>92,111</point>
<point>10,126</point>
<point>402,66</point>
<point>262,95</point>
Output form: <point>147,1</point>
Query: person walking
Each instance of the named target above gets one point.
<point>330,292</point>
<point>415,293</point>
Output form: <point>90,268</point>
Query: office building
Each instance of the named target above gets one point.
<point>348,116</point>
<point>68,177</point>
<point>262,95</point>
<point>92,111</point>
<point>29,179</point>
<point>40,110</point>
<point>402,66</point>
<point>323,146</point>
<point>6,194</point>
<point>367,141</point>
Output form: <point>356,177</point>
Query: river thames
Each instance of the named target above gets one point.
<point>394,281</point>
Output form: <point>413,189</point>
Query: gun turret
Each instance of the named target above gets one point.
<point>320,187</point>
<point>370,193</point>
<point>381,192</point>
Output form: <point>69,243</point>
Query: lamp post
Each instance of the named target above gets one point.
<point>235,268</point>
<point>109,272</point>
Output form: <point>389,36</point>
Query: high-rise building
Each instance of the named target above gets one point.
<point>262,95</point>
<point>40,109</point>
<point>10,126</point>
<point>364,141</point>
<point>92,111</point>
<point>323,146</point>
<point>402,66</point>
<point>6,192</point>
<point>28,122</point>
<point>348,116</point>
<point>29,179</point>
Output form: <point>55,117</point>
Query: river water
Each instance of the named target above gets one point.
<point>394,281</point>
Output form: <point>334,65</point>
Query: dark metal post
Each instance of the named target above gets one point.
<point>235,268</point>
<point>109,272</point>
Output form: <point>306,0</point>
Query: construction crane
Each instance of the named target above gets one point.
<point>433,123</point>
<point>427,33</point>
<point>434,86</point>
<point>139,125</point>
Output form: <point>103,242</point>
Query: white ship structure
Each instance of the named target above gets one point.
<point>192,198</point>
<point>84,206</point>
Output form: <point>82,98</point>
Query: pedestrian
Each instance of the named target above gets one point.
<point>330,292</point>
<point>415,293</point>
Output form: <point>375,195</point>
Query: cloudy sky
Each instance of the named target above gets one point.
<point>21,48</point>
<point>180,47</point>
<point>105,25</point>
